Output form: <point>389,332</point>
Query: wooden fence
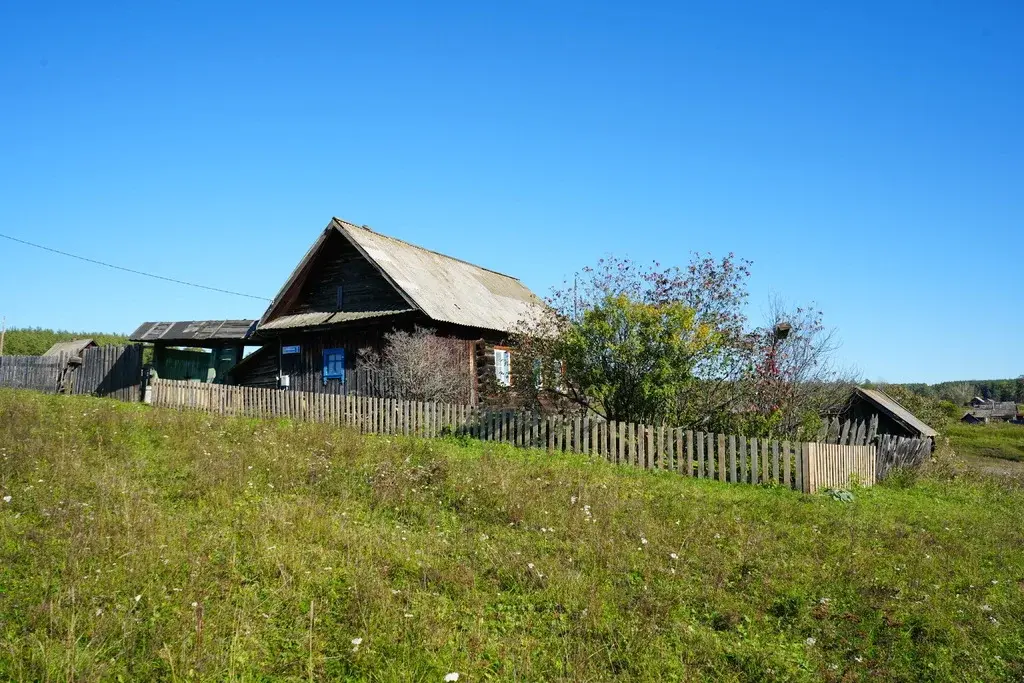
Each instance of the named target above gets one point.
<point>41,373</point>
<point>114,371</point>
<point>800,466</point>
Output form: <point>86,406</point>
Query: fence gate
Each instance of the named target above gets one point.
<point>834,466</point>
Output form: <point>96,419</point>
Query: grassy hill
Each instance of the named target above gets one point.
<point>35,341</point>
<point>142,544</point>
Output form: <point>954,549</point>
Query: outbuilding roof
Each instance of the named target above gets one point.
<point>889,405</point>
<point>189,332</point>
<point>444,288</point>
<point>73,347</point>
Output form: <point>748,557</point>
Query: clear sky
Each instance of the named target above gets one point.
<point>868,156</point>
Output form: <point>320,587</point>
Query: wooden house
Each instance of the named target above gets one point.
<point>355,285</point>
<point>984,411</point>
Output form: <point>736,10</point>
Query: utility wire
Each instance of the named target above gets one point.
<point>129,270</point>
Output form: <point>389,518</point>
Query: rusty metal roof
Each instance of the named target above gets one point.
<point>891,406</point>
<point>302,320</point>
<point>192,331</point>
<point>73,347</point>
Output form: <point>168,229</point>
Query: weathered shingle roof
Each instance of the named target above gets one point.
<point>302,320</point>
<point>894,409</point>
<point>73,347</point>
<point>190,331</point>
<point>444,288</point>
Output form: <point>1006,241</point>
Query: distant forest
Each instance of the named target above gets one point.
<point>34,341</point>
<point>962,392</point>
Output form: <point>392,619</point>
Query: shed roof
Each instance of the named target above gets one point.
<point>895,410</point>
<point>444,288</point>
<point>192,331</point>
<point>73,347</point>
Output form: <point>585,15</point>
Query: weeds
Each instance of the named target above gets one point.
<point>142,544</point>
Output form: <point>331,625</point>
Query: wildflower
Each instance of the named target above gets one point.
<point>7,499</point>
<point>858,659</point>
<point>356,642</point>
<point>825,601</point>
<point>408,615</point>
<point>195,604</point>
<point>99,611</point>
<point>643,540</point>
<point>572,500</point>
<point>986,608</point>
<point>529,565</point>
<point>811,641</point>
<point>452,677</point>
<point>718,535</point>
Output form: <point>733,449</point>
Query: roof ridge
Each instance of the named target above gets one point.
<point>350,224</point>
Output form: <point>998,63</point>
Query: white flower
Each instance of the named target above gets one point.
<point>195,604</point>
<point>138,597</point>
<point>811,641</point>
<point>573,500</point>
<point>7,499</point>
<point>356,642</point>
<point>452,677</point>
<point>643,540</point>
<point>408,615</point>
<point>718,535</point>
<point>99,611</point>
<point>825,601</point>
<point>986,608</point>
<point>858,659</point>
<point>529,565</point>
<point>673,556</point>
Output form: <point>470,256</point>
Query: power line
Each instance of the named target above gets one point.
<point>130,270</point>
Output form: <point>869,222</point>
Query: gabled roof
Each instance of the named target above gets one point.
<point>444,288</point>
<point>190,331</point>
<point>74,347</point>
<point>890,406</point>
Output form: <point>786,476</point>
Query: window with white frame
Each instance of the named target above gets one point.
<point>503,366</point>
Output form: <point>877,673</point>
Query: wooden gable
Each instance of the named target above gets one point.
<point>340,264</point>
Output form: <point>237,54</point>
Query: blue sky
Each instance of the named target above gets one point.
<point>866,156</point>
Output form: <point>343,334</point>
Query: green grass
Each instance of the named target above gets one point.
<point>143,544</point>
<point>997,440</point>
<point>34,341</point>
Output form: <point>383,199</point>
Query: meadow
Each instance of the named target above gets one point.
<point>147,544</point>
<point>997,440</point>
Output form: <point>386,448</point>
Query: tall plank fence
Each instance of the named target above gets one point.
<point>41,373</point>
<point>800,466</point>
<point>114,371</point>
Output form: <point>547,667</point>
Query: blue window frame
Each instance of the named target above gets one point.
<point>334,364</point>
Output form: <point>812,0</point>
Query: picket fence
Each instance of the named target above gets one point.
<point>801,466</point>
